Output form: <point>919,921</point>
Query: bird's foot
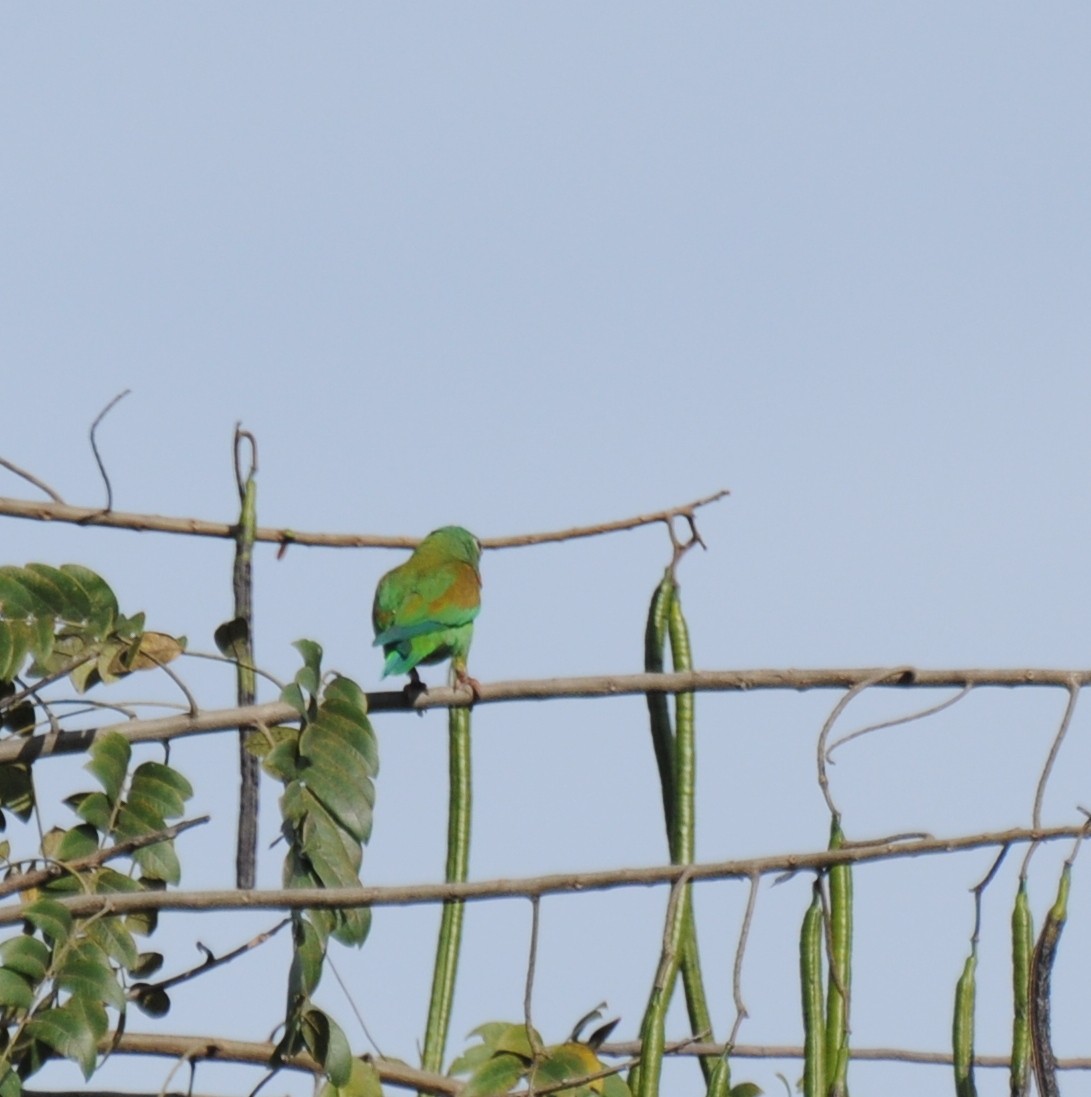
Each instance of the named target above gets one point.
<point>464,681</point>
<point>414,688</point>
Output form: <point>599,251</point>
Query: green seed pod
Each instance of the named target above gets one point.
<point>962,1029</point>
<point>810,980</point>
<point>1022,948</point>
<point>838,988</point>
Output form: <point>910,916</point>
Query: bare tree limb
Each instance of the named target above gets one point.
<point>199,527</point>
<point>527,887</point>
<point>872,1054</point>
<point>391,1072</point>
<point>613,685</point>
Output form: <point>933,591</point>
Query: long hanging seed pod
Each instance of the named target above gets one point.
<point>458,862</point>
<point>1045,952</point>
<point>840,969</point>
<point>242,644</point>
<point>1022,950</point>
<point>810,980</point>
<point>676,759</point>
<point>962,1027</point>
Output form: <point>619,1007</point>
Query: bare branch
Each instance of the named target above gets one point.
<point>199,527</point>
<point>212,961</point>
<point>615,685</point>
<point>527,887</point>
<point>873,1054</point>
<point>391,1072</point>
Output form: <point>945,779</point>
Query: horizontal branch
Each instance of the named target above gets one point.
<point>545,689</point>
<point>198,527</point>
<point>553,884</point>
<point>391,1071</point>
<point>629,1048</point>
<point>395,1073</point>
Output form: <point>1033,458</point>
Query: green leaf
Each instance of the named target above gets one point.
<point>87,973</point>
<point>109,762</point>
<point>164,775</point>
<point>470,1059</point>
<point>21,718</point>
<point>103,605</point>
<point>307,958</point>
<point>114,939</point>
<point>363,1082</point>
<point>615,1086</point>
<point>310,676</point>
<point>50,918</point>
<point>566,1061</point>
<point>38,580</point>
<point>74,604</point>
<point>17,789</point>
<point>326,1042</point>
<point>15,637</point>
<point>515,1041</point>
<point>292,695</point>
<point>233,638</point>
<point>147,963</point>
<point>15,991</point>
<point>499,1074</point>
<point>346,692</point>
<point>26,955</point>
<point>16,600</point>
<point>338,778</point>
<point>746,1089</point>
<point>71,1031</point>
<point>150,785</point>
<point>80,841</point>
<point>10,1085</point>
<point>93,807</point>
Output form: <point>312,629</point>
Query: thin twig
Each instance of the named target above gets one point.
<point>37,877</point>
<point>979,890</point>
<point>94,448</point>
<point>31,479</point>
<point>212,961</point>
<point>873,680</point>
<point>553,884</point>
<point>909,718</point>
<point>1047,769</point>
<point>741,1012</point>
<point>352,1005</point>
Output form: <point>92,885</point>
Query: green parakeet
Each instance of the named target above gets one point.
<point>424,609</point>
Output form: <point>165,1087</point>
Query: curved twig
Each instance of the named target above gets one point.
<point>94,448</point>
<point>873,680</point>
<point>909,718</point>
<point>30,479</point>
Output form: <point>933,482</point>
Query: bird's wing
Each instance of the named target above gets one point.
<point>442,597</point>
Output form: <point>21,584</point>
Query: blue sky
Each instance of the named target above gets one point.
<point>529,266</point>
